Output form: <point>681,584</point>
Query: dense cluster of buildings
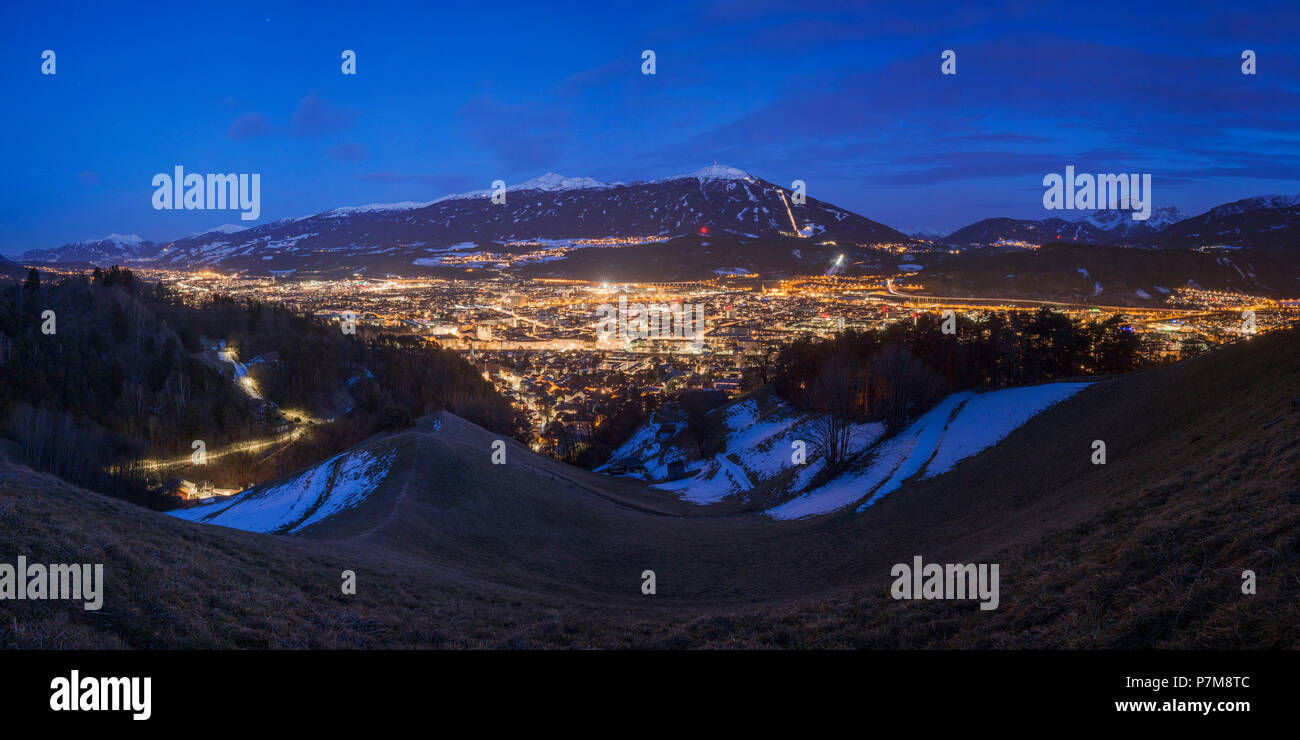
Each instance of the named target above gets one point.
<point>541,343</point>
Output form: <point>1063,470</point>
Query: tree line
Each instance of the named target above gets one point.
<point>130,372</point>
<point>895,374</point>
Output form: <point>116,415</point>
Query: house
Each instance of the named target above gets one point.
<point>189,491</point>
<point>181,489</point>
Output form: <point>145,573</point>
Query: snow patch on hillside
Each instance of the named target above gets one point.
<point>339,483</point>
<point>758,448</point>
<point>988,418</point>
<point>961,425</point>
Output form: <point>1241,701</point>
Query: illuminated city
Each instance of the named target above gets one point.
<point>961,340</point>
<point>535,340</point>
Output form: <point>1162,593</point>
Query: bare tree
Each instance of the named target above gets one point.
<point>837,395</point>
<point>902,386</point>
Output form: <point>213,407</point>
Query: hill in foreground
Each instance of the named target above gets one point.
<point>452,551</point>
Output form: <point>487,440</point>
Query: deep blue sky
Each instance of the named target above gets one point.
<point>450,96</point>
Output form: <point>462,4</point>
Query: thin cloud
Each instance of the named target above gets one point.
<point>348,152</point>
<point>316,116</point>
<point>248,126</point>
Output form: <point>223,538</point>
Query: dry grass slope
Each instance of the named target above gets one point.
<point>1143,552</point>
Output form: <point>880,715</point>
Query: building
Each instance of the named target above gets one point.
<point>182,489</point>
<point>189,491</point>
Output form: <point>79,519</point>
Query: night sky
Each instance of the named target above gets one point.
<point>449,97</point>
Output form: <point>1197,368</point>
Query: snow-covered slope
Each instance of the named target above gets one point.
<point>762,433</point>
<point>961,425</point>
<point>760,437</point>
<point>308,498</point>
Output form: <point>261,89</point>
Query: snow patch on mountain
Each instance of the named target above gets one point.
<point>553,182</point>
<point>308,498</point>
<point>406,205</point>
<point>925,233</point>
<point>1120,219</point>
<point>961,425</point>
<point>713,172</point>
<point>132,240</point>
<point>550,182</point>
<point>1258,203</point>
<point>222,229</point>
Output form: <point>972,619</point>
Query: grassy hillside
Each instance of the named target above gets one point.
<point>1145,551</point>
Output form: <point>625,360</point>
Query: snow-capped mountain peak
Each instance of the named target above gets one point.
<point>1258,203</point>
<point>111,249</point>
<point>1110,219</point>
<point>713,172</point>
<point>927,233</point>
<point>222,229</point>
<point>552,182</point>
<point>126,240</point>
<point>405,205</point>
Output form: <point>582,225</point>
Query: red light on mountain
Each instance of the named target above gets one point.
<point>704,229</point>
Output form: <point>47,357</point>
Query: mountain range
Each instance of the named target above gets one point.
<point>714,200</point>
<point>1104,226</point>
<point>547,221</point>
